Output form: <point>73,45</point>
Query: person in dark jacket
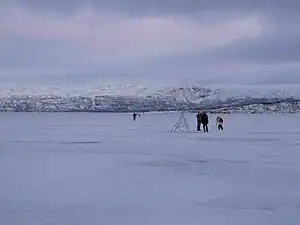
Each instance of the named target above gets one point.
<point>134,116</point>
<point>204,121</point>
<point>199,115</point>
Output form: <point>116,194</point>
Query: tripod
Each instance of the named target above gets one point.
<point>181,124</point>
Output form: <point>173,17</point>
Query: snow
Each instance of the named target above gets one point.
<point>126,98</point>
<point>217,91</point>
<point>91,169</point>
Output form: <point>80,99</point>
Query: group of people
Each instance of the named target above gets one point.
<point>202,118</point>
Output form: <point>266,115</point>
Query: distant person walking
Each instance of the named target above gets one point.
<point>199,116</point>
<point>134,116</point>
<point>220,123</point>
<point>204,121</point>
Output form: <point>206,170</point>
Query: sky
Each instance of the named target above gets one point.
<point>100,42</point>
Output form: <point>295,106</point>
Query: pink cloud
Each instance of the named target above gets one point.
<point>104,38</point>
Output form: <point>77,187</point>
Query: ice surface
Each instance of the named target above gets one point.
<point>105,169</point>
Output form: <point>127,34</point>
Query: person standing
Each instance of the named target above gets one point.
<point>220,123</point>
<point>134,116</point>
<point>199,115</point>
<point>204,121</point>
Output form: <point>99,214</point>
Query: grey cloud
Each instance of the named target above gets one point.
<point>278,44</point>
<point>270,49</point>
<point>273,58</point>
<point>290,76</point>
<point>26,60</point>
<point>17,52</point>
<point>264,59</point>
<point>165,6</point>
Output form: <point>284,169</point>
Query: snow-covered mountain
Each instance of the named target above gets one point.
<point>126,98</point>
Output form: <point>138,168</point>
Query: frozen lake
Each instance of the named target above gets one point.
<point>105,169</point>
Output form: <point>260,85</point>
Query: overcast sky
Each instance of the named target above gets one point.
<point>157,41</point>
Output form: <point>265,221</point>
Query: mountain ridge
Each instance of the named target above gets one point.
<point>128,98</point>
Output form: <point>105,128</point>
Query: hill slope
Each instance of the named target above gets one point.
<point>126,98</point>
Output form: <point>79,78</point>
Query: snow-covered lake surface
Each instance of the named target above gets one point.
<point>105,169</point>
